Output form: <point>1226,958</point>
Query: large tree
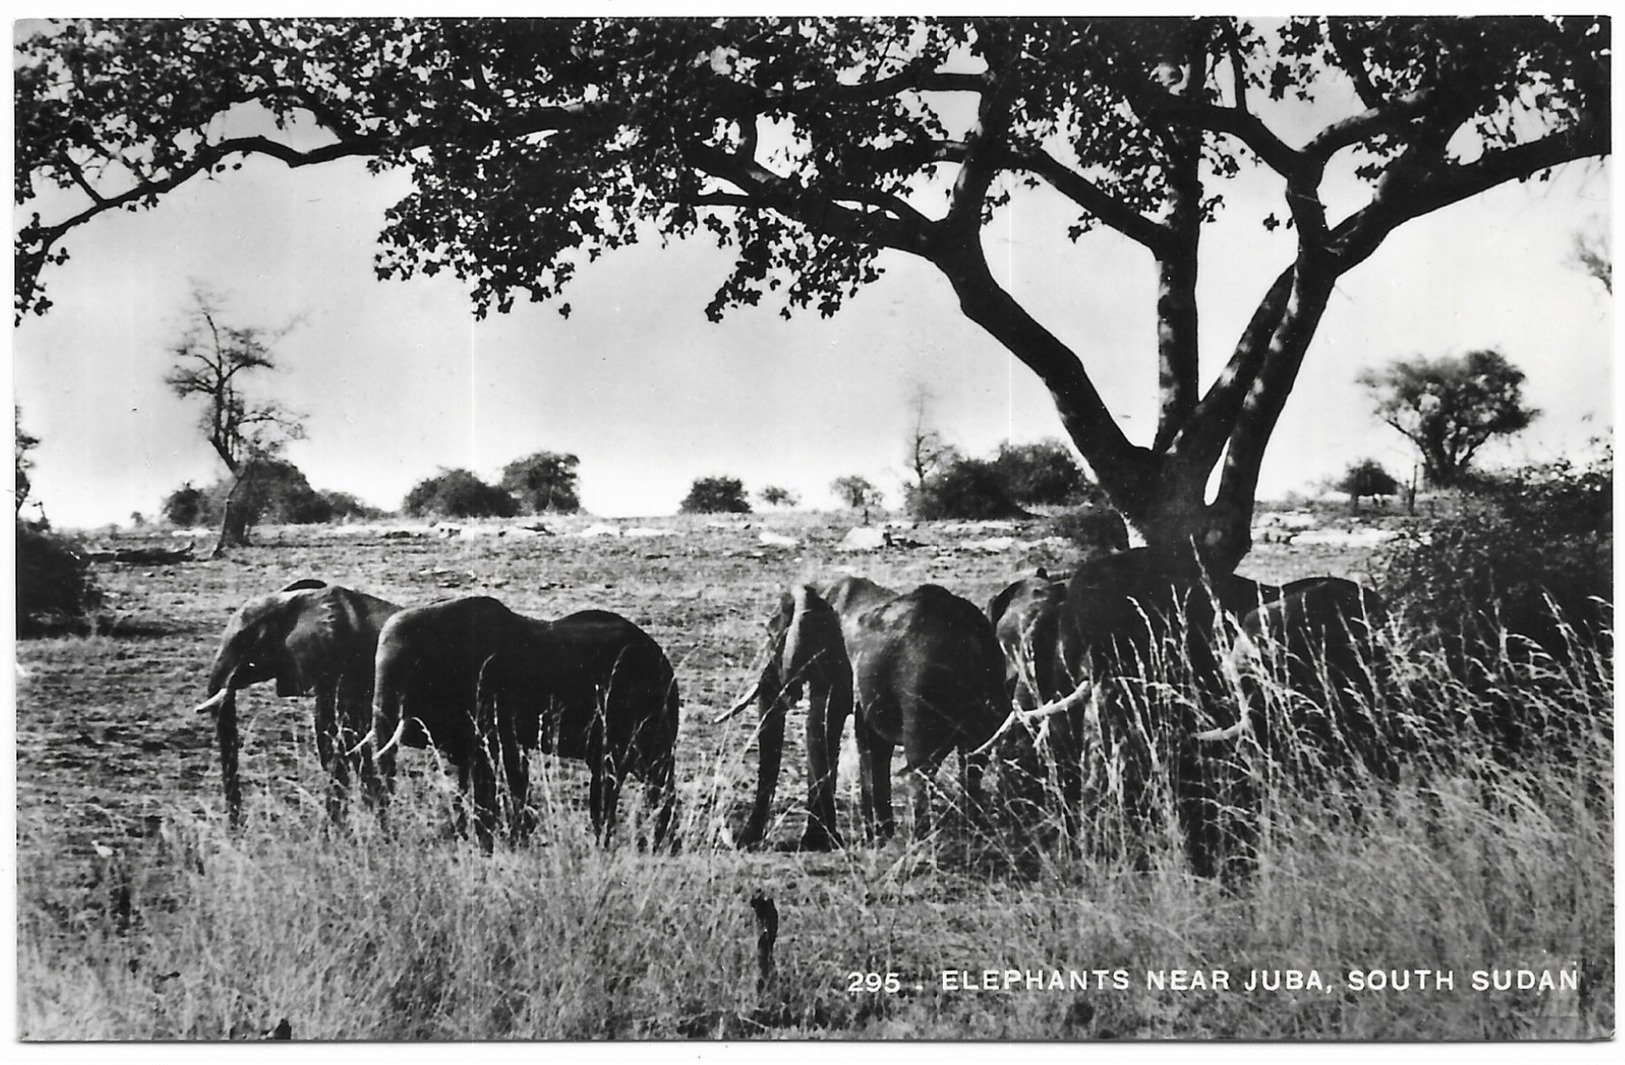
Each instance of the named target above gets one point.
<point>812,146</point>
<point>1450,407</point>
<point>212,358</point>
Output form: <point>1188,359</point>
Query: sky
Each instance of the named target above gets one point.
<point>397,380</point>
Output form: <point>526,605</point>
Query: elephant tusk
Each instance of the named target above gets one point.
<point>739,705</point>
<point>370,739</point>
<point>1010,722</point>
<point>400,730</point>
<point>1217,735</point>
<point>213,704</point>
<point>1063,705</point>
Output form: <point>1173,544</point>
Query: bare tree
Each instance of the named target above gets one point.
<point>928,452</point>
<point>210,359</point>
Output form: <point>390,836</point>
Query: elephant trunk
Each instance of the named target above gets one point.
<point>225,730</point>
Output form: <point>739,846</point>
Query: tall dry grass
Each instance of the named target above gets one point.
<point>1477,857</point>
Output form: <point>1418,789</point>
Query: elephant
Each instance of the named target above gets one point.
<point>1316,640</point>
<point>485,685</point>
<point>311,638</point>
<point>921,670</point>
<point>1138,647</point>
<point>1024,616</point>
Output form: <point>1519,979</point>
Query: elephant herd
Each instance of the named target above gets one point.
<point>1126,672</point>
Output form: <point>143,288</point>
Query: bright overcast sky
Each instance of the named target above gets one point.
<point>397,380</point>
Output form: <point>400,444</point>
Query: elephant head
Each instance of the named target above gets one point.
<point>804,652</point>
<point>309,638</point>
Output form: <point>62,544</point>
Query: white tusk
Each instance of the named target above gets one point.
<point>213,704</point>
<point>400,730</point>
<point>1060,706</point>
<point>740,704</point>
<point>368,740</point>
<point>1009,723</point>
<point>1216,735</point>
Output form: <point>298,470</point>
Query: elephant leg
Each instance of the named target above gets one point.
<point>770,748</point>
<point>827,709</point>
<point>330,747</point>
<point>605,789</point>
<point>874,754</point>
<point>972,767</point>
<point>516,768</point>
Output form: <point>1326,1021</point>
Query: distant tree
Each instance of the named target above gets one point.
<point>1045,473</point>
<point>774,496</point>
<point>1450,407</point>
<point>533,146</point>
<point>276,493</point>
<point>856,492</point>
<point>716,495</point>
<point>545,481</point>
<point>928,452</point>
<point>210,359</point>
<point>24,444</point>
<point>344,506</point>
<point>459,494</point>
<point>187,506</point>
<point>1366,479</point>
<point>968,490</point>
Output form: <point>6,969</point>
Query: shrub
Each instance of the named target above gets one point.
<point>774,496</point>
<point>344,506</point>
<point>968,489</point>
<point>1044,473</point>
<point>1097,530</point>
<point>1525,543</point>
<point>716,495</point>
<point>1366,478</point>
<point>545,481</point>
<point>459,494</point>
<point>54,587</point>
<point>189,505</point>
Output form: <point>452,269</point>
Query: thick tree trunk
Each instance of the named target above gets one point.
<point>235,521</point>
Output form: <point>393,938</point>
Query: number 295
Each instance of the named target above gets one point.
<point>890,983</point>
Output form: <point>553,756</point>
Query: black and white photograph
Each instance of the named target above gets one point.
<point>951,527</point>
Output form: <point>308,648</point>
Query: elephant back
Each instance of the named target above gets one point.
<point>596,661</point>
<point>949,647</point>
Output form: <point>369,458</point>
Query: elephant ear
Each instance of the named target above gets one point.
<point>303,583</point>
<point>312,645</point>
<point>813,633</point>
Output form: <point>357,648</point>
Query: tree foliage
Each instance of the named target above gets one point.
<point>458,494</point>
<point>542,482</point>
<point>968,490</point>
<point>1366,479</point>
<point>715,495</point>
<point>775,496</point>
<point>856,492</point>
<point>1531,555</point>
<point>810,146</point>
<point>269,491</point>
<point>1450,407</point>
<point>23,444</point>
<point>1043,474</point>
